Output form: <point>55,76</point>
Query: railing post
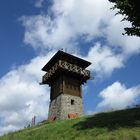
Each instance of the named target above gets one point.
<point>67,66</point>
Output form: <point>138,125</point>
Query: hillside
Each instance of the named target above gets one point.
<point>117,125</point>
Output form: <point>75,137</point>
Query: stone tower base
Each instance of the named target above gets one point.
<point>64,105</point>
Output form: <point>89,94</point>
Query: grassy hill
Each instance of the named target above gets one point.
<point>117,125</point>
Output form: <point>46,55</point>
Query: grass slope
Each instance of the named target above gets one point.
<point>117,125</point>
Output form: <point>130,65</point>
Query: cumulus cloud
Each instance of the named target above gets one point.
<point>21,95</point>
<point>113,32</point>
<point>72,20</point>
<point>87,19</point>
<point>118,96</point>
<point>43,32</point>
<point>104,60</point>
<point>9,128</point>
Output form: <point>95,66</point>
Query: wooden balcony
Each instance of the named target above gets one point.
<point>70,68</point>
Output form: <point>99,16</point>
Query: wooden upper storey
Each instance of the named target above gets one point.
<point>63,62</point>
<point>60,55</point>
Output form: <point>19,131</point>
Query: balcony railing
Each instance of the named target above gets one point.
<point>68,67</point>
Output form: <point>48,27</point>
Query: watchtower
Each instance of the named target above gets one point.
<point>65,75</point>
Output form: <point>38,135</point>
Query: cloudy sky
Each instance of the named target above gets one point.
<point>32,31</point>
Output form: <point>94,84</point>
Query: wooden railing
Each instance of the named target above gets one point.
<point>68,67</point>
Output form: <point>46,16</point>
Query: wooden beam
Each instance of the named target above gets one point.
<point>67,67</point>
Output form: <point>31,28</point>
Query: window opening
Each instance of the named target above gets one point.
<point>72,102</point>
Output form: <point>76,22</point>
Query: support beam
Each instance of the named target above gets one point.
<point>68,67</point>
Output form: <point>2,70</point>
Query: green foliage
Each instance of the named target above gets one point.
<point>131,10</point>
<point>117,125</point>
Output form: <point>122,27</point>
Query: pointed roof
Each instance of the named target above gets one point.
<point>60,55</point>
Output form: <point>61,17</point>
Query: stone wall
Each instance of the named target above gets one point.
<point>63,105</point>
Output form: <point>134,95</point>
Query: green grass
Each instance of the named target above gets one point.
<point>117,125</point>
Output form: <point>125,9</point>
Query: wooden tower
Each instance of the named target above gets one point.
<point>65,75</point>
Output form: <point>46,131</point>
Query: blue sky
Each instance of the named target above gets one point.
<point>32,31</point>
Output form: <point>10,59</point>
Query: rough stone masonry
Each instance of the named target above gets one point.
<point>65,104</point>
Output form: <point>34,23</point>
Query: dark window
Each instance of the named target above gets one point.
<point>72,102</point>
<point>54,118</point>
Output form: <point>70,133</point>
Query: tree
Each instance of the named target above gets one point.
<point>131,10</point>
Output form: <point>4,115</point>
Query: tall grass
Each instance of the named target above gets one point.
<point>117,125</point>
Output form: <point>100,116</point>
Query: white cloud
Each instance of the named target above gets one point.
<point>129,44</point>
<point>118,96</point>
<point>21,95</point>
<point>43,32</point>
<point>83,16</point>
<point>86,19</point>
<point>104,60</point>
<point>72,20</point>
<point>9,128</point>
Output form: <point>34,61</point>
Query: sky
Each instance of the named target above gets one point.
<point>32,31</point>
